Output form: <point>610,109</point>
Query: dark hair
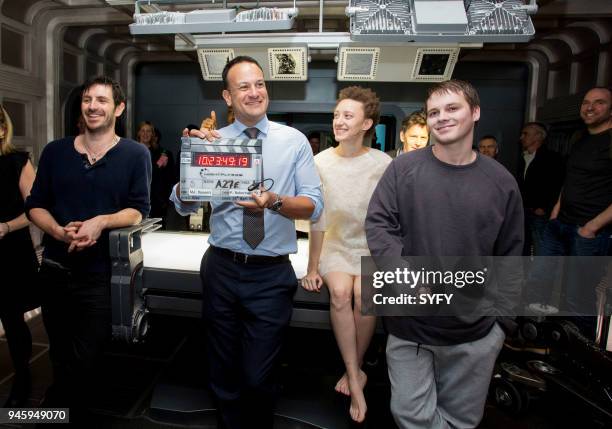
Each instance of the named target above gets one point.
<point>415,118</point>
<point>458,87</point>
<point>488,136</point>
<point>118,94</point>
<point>315,135</point>
<point>239,59</point>
<point>367,97</point>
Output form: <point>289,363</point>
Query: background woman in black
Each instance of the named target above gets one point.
<point>17,258</point>
<point>163,170</point>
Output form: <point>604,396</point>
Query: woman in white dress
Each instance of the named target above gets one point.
<point>349,173</point>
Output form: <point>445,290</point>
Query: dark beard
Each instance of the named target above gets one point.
<point>107,125</point>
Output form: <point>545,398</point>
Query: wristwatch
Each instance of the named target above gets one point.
<point>277,204</point>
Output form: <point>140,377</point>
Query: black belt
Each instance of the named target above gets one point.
<point>243,258</point>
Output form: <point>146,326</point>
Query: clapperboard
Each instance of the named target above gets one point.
<point>221,170</point>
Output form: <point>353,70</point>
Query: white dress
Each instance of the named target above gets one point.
<point>348,184</point>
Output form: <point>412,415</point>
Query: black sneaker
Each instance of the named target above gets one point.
<point>20,391</point>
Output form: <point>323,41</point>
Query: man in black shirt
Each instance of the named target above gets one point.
<point>540,177</point>
<point>446,200</point>
<point>581,220</point>
<point>85,186</point>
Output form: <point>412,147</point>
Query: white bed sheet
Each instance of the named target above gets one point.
<point>184,250</point>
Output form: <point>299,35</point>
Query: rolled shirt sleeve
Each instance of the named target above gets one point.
<point>307,181</point>
<point>319,224</point>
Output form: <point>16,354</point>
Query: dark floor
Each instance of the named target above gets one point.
<point>161,384</point>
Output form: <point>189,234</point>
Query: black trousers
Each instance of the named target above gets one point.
<point>77,316</point>
<point>18,338</point>
<point>247,309</point>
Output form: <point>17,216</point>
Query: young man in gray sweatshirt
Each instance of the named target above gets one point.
<point>445,200</point>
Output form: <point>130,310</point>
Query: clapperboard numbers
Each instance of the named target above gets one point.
<point>221,170</point>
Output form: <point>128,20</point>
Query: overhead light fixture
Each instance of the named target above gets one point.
<point>387,17</point>
<point>441,21</point>
<point>440,17</point>
<point>389,40</point>
<point>434,64</point>
<point>208,20</point>
<point>281,63</point>
<point>499,17</point>
<point>357,63</point>
<point>288,63</point>
<point>398,63</point>
<point>212,61</point>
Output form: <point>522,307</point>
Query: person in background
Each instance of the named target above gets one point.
<point>163,170</point>
<point>337,239</point>
<point>210,123</point>
<point>18,260</point>
<point>581,220</point>
<point>540,177</point>
<point>414,133</point>
<point>314,140</point>
<point>487,146</point>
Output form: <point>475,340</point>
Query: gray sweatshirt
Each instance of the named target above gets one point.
<point>425,207</point>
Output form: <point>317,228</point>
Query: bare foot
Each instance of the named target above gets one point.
<point>342,386</point>
<point>358,403</point>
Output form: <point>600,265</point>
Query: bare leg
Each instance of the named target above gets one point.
<point>365,327</point>
<point>341,287</point>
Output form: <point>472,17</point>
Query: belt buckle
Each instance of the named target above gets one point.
<point>241,257</point>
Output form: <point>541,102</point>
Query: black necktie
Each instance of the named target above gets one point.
<point>253,230</point>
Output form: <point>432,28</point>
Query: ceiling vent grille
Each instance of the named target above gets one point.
<point>386,17</point>
<point>434,64</point>
<point>358,63</point>
<point>499,17</point>
<point>212,62</point>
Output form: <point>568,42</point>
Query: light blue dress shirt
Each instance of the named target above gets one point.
<point>288,159</point>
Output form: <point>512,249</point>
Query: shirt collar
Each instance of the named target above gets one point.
<point>263,126</point>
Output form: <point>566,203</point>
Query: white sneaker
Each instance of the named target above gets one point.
<point>543,309</point>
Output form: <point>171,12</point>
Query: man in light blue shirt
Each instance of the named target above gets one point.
<point>287,162</point>
<point>247,279</point>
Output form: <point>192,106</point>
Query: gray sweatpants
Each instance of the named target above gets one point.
<point>441,386</point>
